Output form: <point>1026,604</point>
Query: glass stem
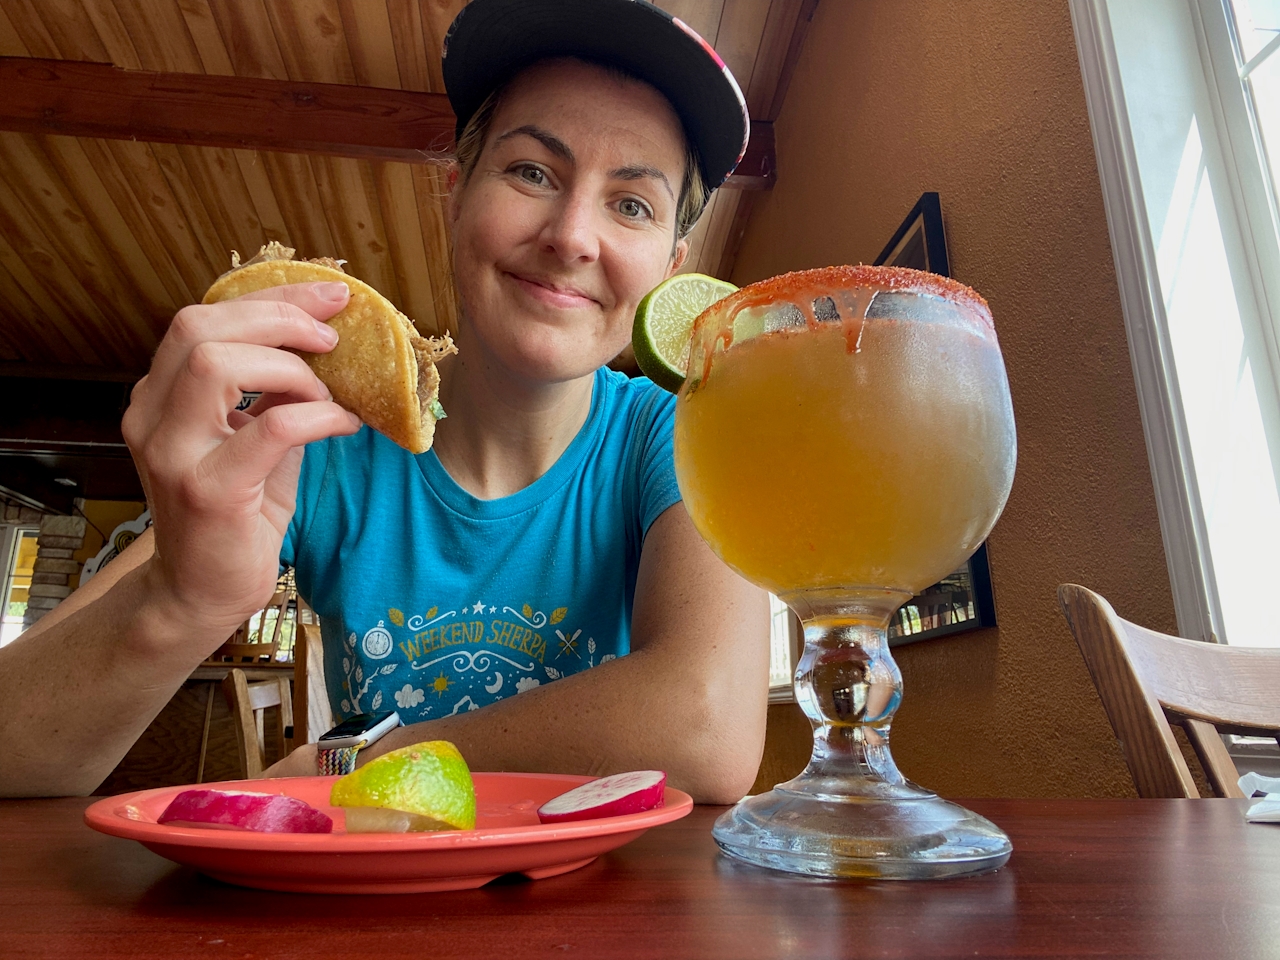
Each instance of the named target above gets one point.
<point>849,687</point>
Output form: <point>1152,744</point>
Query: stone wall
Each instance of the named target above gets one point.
<point>15,513</point>
<point>59,539</point>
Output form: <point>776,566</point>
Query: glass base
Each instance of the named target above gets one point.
<point>913,835</point>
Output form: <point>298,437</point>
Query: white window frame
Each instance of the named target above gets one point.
<point>1250,207</point>
<point>10,534</point>
<point>786,637</point>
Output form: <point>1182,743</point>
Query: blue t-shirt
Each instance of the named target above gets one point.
<point>432,601</point>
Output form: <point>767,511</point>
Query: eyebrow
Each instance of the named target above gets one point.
<point>637,171</point>
<point>548,140</point>
<point>642,171</point>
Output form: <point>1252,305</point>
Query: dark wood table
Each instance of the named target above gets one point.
<point>1088,878</point>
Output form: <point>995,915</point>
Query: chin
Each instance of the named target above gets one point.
<point>557,356</point>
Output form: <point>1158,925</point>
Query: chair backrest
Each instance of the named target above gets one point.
<point>312,715</point>
<point>249,703</point>
<point>1146,679</point>
<point>249,645</point>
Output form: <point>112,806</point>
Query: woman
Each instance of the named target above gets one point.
<point>541,539</point>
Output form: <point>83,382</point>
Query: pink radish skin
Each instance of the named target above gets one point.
<point>613,796</point>
<point>238,810</point>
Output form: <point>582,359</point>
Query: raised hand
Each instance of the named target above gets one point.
<point>221,483</point>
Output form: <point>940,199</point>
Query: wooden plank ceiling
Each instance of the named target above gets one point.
<point>102,240</point>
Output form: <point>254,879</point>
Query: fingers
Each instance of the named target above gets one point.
<point>222,482</point>
<point>321,300</point>
<point>217,374</point>
<point>238,418</point>
<point>289,316</point>
<point>240,465</point>
<point>197,415</point>
<point>266,402</point>
<point>269,321</point>
<point>280,492</point>
<point>279,317</point>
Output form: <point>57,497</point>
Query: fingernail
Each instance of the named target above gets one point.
<point>327,333</point>
<point>333,291</point>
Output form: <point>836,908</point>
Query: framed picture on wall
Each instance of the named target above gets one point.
<point>963,600</point>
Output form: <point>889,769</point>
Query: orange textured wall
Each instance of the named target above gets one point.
<point>982,101</point>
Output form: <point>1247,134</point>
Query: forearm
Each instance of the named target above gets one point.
<point>79,688</point>
<point>79,691</point>
<point>134,556</point>
<point>703,723</point>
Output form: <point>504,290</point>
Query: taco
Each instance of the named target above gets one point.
<point>381,370</point>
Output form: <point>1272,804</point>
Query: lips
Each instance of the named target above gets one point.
<point>563,296</point>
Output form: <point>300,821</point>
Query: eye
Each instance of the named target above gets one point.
<point>532,174</point>
<point>633,209</point>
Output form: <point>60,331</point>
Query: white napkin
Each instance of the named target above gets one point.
<point>1267,808</point>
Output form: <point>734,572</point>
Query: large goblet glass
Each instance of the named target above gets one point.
<point>844,439</point>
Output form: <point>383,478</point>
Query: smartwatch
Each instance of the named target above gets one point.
<point>336,750</point>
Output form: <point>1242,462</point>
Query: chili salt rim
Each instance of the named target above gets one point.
<point>789,285</point>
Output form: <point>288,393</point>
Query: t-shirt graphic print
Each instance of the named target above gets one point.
<point>459,659</point>
<point>434,602</point>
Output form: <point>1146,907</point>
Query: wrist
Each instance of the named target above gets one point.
<point>164,624</point>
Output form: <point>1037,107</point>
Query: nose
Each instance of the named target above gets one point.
<point>572,231</point>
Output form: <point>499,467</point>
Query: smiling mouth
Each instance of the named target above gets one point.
<point>552,295</point>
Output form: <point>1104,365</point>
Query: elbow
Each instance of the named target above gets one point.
<point>722,750</point>
<point>24,785</point>
<point>728,783</point>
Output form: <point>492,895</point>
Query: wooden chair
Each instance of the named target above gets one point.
<point>311,713</point>
<point>1147,679</point>
<point>249,703</point>
<point>250,644</point>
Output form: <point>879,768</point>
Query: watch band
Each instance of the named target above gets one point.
<point>336,750</point>
<point>338,761</point>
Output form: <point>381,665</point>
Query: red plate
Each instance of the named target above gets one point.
<point>507,839</point>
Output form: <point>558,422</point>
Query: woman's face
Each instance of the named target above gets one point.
<point>567,220</point>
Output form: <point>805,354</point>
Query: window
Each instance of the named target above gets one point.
<point>1184,102</point>
<point>784,644</point>
<point>18,550</point>
<point>1256,40</point>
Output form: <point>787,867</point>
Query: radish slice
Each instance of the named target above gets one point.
<point>613,796</point>
<point>241,810</point>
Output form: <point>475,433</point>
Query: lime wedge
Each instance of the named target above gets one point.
<point>664,323</point>
<point>429,780</point>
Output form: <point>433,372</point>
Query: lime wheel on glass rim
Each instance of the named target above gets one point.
<point>664,325</point>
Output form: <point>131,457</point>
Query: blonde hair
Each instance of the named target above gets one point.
<point>693,190</point>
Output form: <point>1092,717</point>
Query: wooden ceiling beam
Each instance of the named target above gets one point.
<point>83,99</point>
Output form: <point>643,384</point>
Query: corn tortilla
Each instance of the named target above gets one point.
<point>381,370</point>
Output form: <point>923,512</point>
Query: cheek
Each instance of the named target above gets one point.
<point>480,241</point>
<point>637,269</point>
<point>486,231</point>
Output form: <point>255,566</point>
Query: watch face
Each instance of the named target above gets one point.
<point>356,725</point>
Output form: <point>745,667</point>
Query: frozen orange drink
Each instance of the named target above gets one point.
<point>844,438</point>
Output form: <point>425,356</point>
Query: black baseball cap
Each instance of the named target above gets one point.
<point>491,41</point>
